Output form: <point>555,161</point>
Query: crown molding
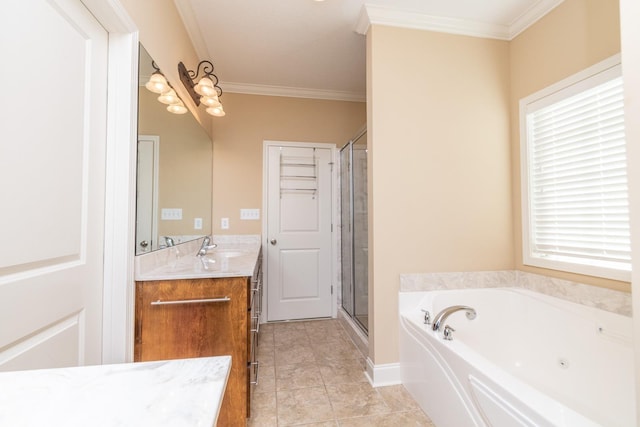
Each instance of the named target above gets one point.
<point>380,15</point>
<point>193,28</point>
<point>292,92</point>
<point>531,16</point>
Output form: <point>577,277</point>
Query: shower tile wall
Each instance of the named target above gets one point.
<point>360,233</point>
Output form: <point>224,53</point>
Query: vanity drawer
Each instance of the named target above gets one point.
<point>188,318</point>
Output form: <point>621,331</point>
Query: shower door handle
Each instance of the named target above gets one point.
<point>273,241</point>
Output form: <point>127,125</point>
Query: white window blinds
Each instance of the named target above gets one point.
<point>577,179</point>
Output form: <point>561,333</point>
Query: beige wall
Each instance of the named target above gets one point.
<point>238,145</point>
<point>185,160</point>
<point>440,173</point>
<point>164,36</point>
<point>575,35</point>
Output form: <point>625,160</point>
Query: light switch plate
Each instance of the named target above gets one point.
<point>251,214</point>
<point>197,223</point>
<point>171,214</point>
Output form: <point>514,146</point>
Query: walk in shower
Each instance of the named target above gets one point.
<point>354,237</point>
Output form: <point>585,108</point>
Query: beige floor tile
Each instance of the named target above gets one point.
<point>294,354</point>
<point>306,405</point>
<point>291,337</point>
<point>263,410</point>
<point>398,398</point>
<point>335,350</point>
<point>323,424</point>
<point>267,327</point>
<point>322,335</point>
<point>395,419</point>
<point>283,326</point>
<point>297,358</point>
<point>356,400</point>
<point>266,380</point>
<point>265,338</point>
<point>266,355</point>
<point>290,377</point>
<point>342,371</point>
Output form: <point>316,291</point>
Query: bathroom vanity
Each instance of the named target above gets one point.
<point>195,306</point>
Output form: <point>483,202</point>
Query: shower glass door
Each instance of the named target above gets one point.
<point>354,230</point>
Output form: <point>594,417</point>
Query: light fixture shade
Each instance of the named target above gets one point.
<point>157,83</point>
<point>169,97</point>
<point>177,108</point>
<point>216,111</point>
<point>205,87</point>
<point>210,101</point>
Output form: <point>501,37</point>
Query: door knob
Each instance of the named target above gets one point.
<point>144,243</point>
<point>273,241</point>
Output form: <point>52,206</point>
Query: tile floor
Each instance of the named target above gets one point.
<point>311,374</point>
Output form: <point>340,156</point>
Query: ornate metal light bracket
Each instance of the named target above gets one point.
<point>188,78</point>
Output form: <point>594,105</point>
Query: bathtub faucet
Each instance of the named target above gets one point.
<point>444,314</point>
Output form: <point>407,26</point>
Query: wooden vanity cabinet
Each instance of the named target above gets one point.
<point>197,318</point>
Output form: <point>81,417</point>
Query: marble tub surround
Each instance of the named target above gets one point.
<point>185,392</point>
<point>235,256</point>
<point>592,296</point>
<point>312,374</point>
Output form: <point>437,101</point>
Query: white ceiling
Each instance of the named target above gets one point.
<point>311,48</point>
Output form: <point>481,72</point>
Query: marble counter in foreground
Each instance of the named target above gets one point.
<point>173,393</point>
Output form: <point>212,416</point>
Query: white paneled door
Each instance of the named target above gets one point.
<point>299,235</point>
<point>52,184</point>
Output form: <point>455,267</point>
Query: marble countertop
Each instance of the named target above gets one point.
<point>172,393</point>
<point>235,256</point>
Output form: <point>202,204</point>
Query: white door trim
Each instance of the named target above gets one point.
<point>122,119</point>
<point>334,216</point>
<point>155,140</point>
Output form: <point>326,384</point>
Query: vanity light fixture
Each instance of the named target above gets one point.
<point>158,84</point>
<point>206,91</point>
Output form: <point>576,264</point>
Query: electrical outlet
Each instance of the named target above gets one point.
<point>197,224</point>
<point>224,223</point>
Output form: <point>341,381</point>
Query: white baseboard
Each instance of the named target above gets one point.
<point>383,374</point>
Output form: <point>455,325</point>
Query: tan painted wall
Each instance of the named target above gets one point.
<point>238,144</point>
<point>164,36</point>
<point>185,160</point>
<point>575,35</point>
<point>440,184</point>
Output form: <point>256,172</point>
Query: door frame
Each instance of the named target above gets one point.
<point>122,121</point>
<point>155,141</point>
<point>334,217</point>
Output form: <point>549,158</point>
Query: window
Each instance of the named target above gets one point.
<point>574,175</point>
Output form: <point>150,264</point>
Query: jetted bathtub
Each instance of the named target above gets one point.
<point>527,359</point>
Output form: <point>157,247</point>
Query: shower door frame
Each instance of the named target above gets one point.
<point>351,311</point>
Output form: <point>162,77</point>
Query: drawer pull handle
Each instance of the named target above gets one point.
<point>191,301</point>
<point>256,370</point>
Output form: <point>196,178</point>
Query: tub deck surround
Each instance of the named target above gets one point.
<point>527,359</point>
<point>235,256</point>
<point>185,392</point>
<point>592,296</point>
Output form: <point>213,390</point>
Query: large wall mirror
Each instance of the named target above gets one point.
<point>174,171</point>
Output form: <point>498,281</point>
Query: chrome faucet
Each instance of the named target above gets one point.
<point>169,241</point>
<point>206,246</point>
<point>444,314</point>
